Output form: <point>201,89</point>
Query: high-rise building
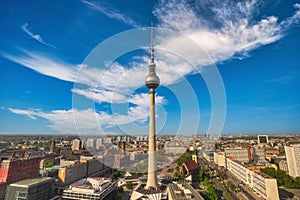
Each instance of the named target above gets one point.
<point>76,144</point>
<point>263,139</point>
<point>293,159</point>
<point>99,143</point>
<point>33,189</point>
<point>152,82</point>
<point>90,143</point>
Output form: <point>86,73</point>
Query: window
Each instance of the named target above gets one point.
<point>20,195</point>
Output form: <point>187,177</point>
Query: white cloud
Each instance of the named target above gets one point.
<point>45,65</point>
<point>223,29</point>
<point>87,121</point>
<point>111,13</point>
<point>37,37</point>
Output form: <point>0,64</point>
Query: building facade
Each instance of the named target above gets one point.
<point>33,189</point>
<point>219,159</point>
<point>15,170</point>
<point>263,185</point>
<point>76,144</point>
<point>293,159</point>
<point>246,155</point>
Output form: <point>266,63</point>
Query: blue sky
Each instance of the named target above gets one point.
<point>210,55</point>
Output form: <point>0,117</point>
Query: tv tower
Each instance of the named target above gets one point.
<point>152,82</point>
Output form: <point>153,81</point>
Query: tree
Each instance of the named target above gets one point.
<point>129,185</point>
<point>211,192</point>
<point>231,185</point>
<point>176,174</point>
<point>206,181</point>
<point>49,163</point>
<point>201,175</point>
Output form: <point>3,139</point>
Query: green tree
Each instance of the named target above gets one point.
<point>231,185</point>
<point>211,192</point>
<point>49,163</point>
<point>176,174</point>
<point>129,185</point>
<point>201,175</point>
<point>206,181</point>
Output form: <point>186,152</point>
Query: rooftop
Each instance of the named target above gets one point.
<point>29,182</point>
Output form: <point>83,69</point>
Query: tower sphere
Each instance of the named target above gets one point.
<point>152,80</point>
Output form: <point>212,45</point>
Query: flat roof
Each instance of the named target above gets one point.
<point>28,182</point>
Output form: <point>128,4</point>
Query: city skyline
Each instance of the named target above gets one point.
<point>44,45</point>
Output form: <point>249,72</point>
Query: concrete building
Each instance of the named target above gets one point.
<point>246,154</point>
<point>293,159</point>
<point>33,189</point>
<point>90,143</point>
<point>262,139</point>
<point>76,144</point>
<point>177,191</point>
<point>71,173</point>
<point>95,188</point>
<point>219,158</point>
<point>263,185</point>
<point>239,154</point>
<point>16,170</point>
<point>99,143</point>
<point>284,166</point>
<point>175,150</point>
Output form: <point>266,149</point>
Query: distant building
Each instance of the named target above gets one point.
<point>52,147</point>
<point>71,173</point>
<point>262,139</point>
<point>263,185</point>
<point>90,143</point>
<point>239,154</point>
<point>284,166</point>
<point>99,143</point>
<point>33,189</point>
<point>293,159</point>
<point>76,144</point>
<point>219,158</point>
<point>246,154</point>
<point>175,150</point>
<point>90,188</point>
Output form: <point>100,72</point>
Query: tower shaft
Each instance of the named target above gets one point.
<point>152,176</point>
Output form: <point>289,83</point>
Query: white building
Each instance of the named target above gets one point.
<point>89,189</point>
<point>246,154</point>
<point>293,159</point>
<point>219,158</point>
<point>76,144</point>
<point>263,185</point>
<point>284,166</point>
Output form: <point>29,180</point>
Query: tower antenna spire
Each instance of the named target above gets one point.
<point>152,43</point>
